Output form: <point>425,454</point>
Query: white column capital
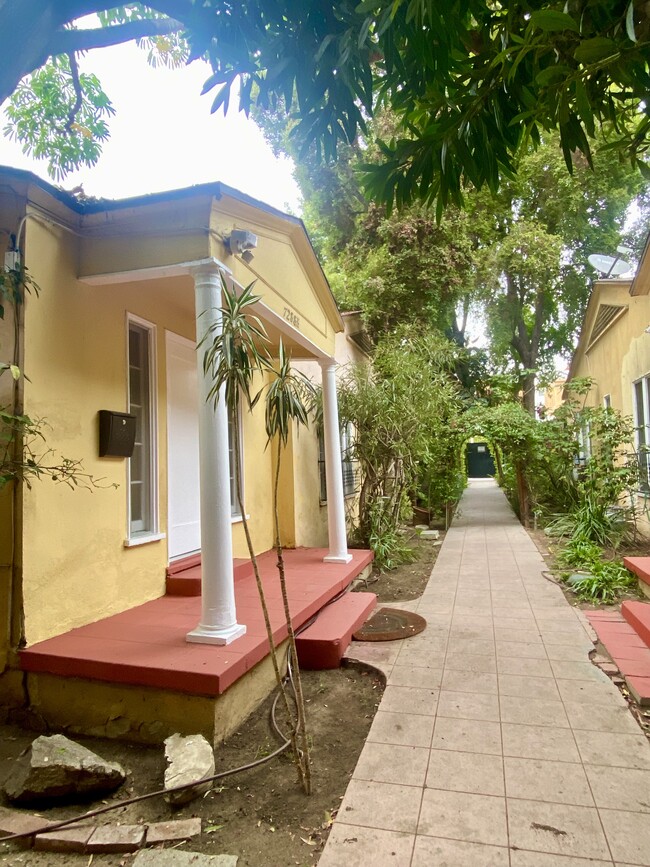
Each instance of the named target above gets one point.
<point>207,267</point>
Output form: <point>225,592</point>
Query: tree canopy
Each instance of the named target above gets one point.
<point>471,82</point>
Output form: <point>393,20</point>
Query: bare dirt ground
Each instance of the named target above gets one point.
<point>261,815</point>
<point>408,580</point>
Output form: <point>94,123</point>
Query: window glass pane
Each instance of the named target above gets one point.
<point>234,505</point>
<point>136,463</point>
<point>640,414</point>
<point>321,467</point>
<point>347,464</point>
<point>641,428</point>
<point>136,502</point>
<point>140,405</point>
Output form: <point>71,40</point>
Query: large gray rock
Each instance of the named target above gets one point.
<point>56,767</point>
<point>188,759</point>
<point>430,534</point>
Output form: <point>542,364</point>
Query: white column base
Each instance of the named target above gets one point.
<point>337,558</point>
<point>214,635</point>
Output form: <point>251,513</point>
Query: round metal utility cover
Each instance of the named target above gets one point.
<point>388,624</point>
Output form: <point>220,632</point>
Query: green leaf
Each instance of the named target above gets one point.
<point>629,22</point>
<point>552,75</point>
<point>593,50</point>
<point>584,107</point>
<point>549,20</point>
<point>15,371</point>
<point>644,168</point>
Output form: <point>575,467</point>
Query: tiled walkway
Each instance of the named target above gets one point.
<point>497,742</point>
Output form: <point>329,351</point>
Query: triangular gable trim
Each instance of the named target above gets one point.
<point>606,316</point>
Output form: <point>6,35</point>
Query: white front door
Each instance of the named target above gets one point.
<point>183,501</point>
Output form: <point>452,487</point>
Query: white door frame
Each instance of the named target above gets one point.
<point>171,339</point>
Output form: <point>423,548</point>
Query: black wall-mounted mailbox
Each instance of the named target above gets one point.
<point>116,434</point>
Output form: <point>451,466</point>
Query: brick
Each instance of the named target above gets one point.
<point>73,839</point>
<point>638,654</point>
<point>116,838</point>
<point>640,689</point>
<point>18,822</point>
<point>608,667</point>
<point>637,668</point>
<point>614,616</point>
<point>167,832</point>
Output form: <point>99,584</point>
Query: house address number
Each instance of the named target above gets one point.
<point>291,317</point>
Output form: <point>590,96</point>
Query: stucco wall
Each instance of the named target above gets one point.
<point>284,269</point>
<point>617,358</point>
<point>310,513</point>
<point>76,567</point>
<point>10,513</point>
<point>621,354</point>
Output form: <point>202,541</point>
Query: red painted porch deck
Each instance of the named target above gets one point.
<point>146,646</point>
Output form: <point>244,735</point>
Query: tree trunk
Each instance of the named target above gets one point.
<point>528,390</point>
<point>302,753</point>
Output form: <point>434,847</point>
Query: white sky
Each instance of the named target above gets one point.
<point>164,137</point>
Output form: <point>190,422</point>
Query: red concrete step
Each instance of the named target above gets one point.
<point>323,644</point>
<point>637,615</point>
<point>639,566</point>
<point>626,637</point>
<point>183,577</point>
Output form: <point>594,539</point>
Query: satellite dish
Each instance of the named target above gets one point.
<point>609,266</point>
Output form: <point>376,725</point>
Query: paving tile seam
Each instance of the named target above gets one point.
<point>446,651</point>
<point>571,729</point>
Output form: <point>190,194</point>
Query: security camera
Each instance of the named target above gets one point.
<point>241,241</point>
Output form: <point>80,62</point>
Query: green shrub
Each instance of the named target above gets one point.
<point>385,540</point>
<point>604,581</point>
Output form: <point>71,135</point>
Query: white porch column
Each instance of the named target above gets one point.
<point>218,623</point>
<point>333,471</point>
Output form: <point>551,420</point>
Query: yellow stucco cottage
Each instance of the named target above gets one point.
<point>130,609</point>
<point>614,351</point>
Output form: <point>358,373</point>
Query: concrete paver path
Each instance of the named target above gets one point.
<point>497,742</point>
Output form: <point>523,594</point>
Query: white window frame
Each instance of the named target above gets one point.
<point>584,443</point>
<point>345,440</point>
<point>150,530</point>
<point>347,464</point>
<point>642,430</point>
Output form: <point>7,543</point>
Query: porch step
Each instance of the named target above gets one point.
<point>640,566</point>
<point>323,644</point>
<point>637,615</point>
<point>626,637</point>
<point>183,577</point>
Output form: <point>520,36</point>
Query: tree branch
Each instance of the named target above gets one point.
<point>33,30</point>
<point>74,70</point>
<point>71,41</point>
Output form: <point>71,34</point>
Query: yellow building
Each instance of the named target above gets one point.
<point>127,288</point>
<point>614,351</point>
